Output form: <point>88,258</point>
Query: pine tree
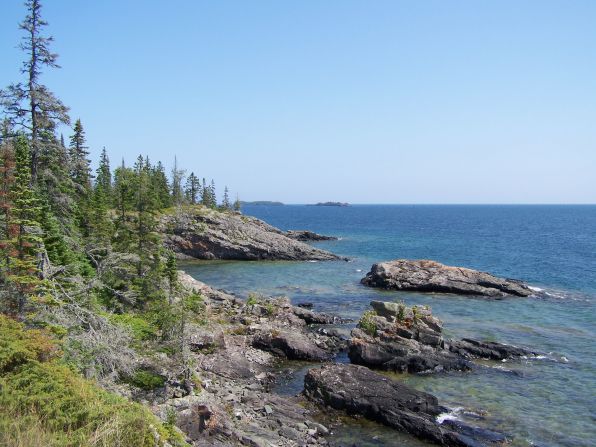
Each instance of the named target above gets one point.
<point>103,179</point>
<point>171,272</point>
<point>177,176</point>
<point>160,186</point>
<point>225,204</point>
<point>20,268</point>
<point>192,189</point>
<point>212,195</point>
<point>205,194</point>
<point>80,165</point>
<point>237,205</point>
<point>32,105</point>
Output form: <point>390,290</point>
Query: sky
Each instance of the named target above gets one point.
<point>336,100</point>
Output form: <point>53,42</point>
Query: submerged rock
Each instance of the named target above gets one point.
<point>431,276</point>
<point>201,233</point>
<point>306,236</point>
<point>360,391</point>
<point>399,338</point>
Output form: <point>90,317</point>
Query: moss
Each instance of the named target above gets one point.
<point>43,402</point>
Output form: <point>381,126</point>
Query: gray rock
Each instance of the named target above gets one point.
<point>470,348</point>
<point>410,339</point>
<point>291,344</point>
<point>431,276</point>
<point>305,236</point>
<point>201,233</point>
<point>359,391</point>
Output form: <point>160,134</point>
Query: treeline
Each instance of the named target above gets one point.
<point>59,219</point>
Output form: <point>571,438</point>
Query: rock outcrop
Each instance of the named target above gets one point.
<point>431,276</point>
<point>234,348</point>
<point>201,233</point>
<point>398,338</point>
<point>360,391</point>
<point>308,236</point>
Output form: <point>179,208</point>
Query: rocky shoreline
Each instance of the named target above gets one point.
<point>202,233</point>
<point>237,351</point>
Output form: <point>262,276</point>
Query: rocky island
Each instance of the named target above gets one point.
<point>331,204</point>
<point>432,276</point>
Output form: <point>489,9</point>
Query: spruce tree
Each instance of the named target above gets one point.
<point>212,195</point>
<point>80,165</point>
<point>225,203</point>
<point>31,104</point>
<point>103,179</point>
<point>177,177</point>
<point>20,269</point>
<point>160,186</point>
<point>192,189</point>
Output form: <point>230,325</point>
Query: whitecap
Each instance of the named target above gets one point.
<point>450,415</point>
<point>312,261</point>
<point>358,270</point>
<point>535,289</point>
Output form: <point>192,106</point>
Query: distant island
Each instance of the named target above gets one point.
<point>262,203</point>
<point>330,204</point>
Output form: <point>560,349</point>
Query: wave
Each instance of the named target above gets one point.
<point>451,415</point>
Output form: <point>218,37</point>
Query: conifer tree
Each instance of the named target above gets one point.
<point>20,269</point>
<point>225,204</point>
<point>177,177</point>
<point>212,195</point>
<point>31,104</point>
<point>237,205</point>
<point>80,166</point>
<point>192,189</point>
<point>103,179</point>
<point>160,186</point>
<point>205,196</point>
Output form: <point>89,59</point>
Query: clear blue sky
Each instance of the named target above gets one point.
<point>359,101</point>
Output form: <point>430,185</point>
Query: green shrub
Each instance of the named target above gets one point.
<point>401,311</point>
<point>140,328</point>
<point>146,380</point>
<point>367,323</point>
<point>194,303</point>
<point>253,299</point>
<point>43,402</point>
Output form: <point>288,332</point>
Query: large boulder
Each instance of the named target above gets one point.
<point>432,276</point>
<point>360,391</point>
<point>201,233</point>
<point>399,338</point>
<point>291,344</point>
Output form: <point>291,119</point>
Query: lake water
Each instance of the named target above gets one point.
<point>549,401</point>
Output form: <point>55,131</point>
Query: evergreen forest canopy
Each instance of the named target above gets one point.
<point>84,276</point>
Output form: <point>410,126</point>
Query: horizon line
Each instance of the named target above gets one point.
<point>424,204</point>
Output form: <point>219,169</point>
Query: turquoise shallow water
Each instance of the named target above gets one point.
<point>549,401</point>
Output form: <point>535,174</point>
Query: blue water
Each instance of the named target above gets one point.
<point>549,401</point>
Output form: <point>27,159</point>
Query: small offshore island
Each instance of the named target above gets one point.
<point>341,204</point>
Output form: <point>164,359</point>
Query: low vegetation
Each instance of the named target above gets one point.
<point>43,402</point>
